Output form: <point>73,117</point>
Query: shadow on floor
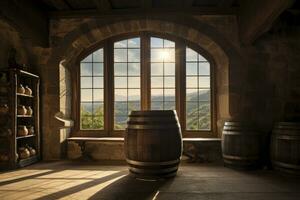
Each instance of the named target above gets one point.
<point>129,187</point>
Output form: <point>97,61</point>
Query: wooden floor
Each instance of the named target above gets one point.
<point>70,180</point>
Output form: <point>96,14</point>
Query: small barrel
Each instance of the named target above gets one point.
<point>241,146</point>
<point>285,147</point>
<point>153,143</point>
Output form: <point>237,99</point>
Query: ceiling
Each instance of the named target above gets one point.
<point>74,5</point>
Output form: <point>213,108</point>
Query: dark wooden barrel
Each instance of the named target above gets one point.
<point>285,147</point>
<point>153,143</point>
<point>241,146</point>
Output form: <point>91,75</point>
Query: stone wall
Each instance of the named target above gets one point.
<point>10,38</point>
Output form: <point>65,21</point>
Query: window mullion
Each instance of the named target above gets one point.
<point>180,79</point>
<point>109,88</point>
<point>145,72</point>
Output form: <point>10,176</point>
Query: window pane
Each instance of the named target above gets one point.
<point>134,69</point>
<point>134,42</point>
<point>169,69</point>
<point>191,82</point>
<point>191,55</point>
<point>120,69</point>
<point>204,82</point>
<point>98,82</point>
<point>197,99</point>
<point>98,122</point>
<point>133,82</point>
<point>157,82</point>
<point>86,109</point>
<point>169,94</point>
<point>98,95</point>
<point>191,69</point>
<point>134,94</point>
<point>157,94</point>
<point>157,55</point>
<point>204,107</point>
<point>134,105</point>
<point>156,42</point>
<point>192,95</point>
<point>86,95</point>
<point>98,109</point>
<point>98,69</point>
<point>204,95</point>
<point>169,105</point>
<point>192,122</point>
<point>168,55</point>
<point>133,55</point>
<point>120,122</point>
<point>86,69</point>
<point>120,94</point>
<point>120,55</point>
<point>121,108</point>
<point>86,122</point>
<point>169,82</point>
<point>191,108</point>
<point>98,56</point>
<point>120,82</point>
<point>157,69</point>
<point>204,68</point>
<point>157,105</point>
<point>86,82</point>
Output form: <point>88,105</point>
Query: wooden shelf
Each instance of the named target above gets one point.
<point>27,161</point>
<point>26,116</point>
<point>12,120</point>
<point>24,95</point>
<point>27,136</point>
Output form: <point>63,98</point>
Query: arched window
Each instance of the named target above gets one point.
<point>140,73</point>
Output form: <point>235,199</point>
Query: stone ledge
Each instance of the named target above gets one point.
<point>111,148</point>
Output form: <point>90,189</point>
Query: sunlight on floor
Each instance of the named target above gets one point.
<point>48,184</point>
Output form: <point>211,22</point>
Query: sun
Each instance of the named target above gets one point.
<point>164,55</point>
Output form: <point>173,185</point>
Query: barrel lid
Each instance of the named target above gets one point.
<point>152,112</point>
<point>242,124</point>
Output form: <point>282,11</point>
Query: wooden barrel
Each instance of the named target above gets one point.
<point>241,146</point>
<point>153,143</point>
<point>285,147</point>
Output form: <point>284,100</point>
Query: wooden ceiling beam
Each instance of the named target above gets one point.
<point>143,12</point>
<point>226,3</point>
<point>103,5</point>
<point>58,4</point>
<point>257,17</point>
<point>188,3</point>
<point>146,4</point>
<point>27,19</point>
